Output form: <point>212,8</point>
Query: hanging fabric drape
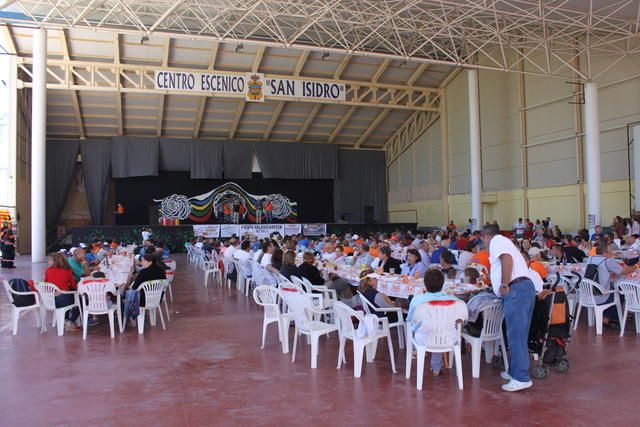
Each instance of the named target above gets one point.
<point>175,154</point>
<point>62,157</point>
<point>206,159</point>
<point>297,161</point>
<point>362,183</point>
<point>237,159</point>
<point>132,157</point>
<point>96,165</point>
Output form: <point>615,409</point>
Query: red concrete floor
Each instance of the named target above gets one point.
<point>207,369</point>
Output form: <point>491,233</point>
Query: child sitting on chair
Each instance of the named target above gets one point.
<point>433,282</point>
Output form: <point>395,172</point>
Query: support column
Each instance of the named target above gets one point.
<point>474,149</point>
<point>38,147</point>
<point>592,155</point>
<point>636,166</point>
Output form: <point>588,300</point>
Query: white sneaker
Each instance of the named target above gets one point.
<point>505,376</point>
<point>514,385</point>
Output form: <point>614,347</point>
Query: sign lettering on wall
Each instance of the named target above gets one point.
<point>253,86</point>
<point>261,231</point>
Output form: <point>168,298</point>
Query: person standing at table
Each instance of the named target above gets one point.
<point>510,279</point>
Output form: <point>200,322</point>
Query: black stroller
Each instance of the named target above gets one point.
<point>550,331</point>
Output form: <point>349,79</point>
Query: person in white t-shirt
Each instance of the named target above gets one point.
<point>518,228</point>
<point>510,279</point>
<point>243,256</point>
<point>268,249</point>
<point>228,252</point>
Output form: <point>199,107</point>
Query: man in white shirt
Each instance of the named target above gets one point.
<point>425,257</point>
<point>243,256</point>
<point>510,279</point>
<point>518,229</point>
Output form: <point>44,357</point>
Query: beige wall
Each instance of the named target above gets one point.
<point>553,135</point>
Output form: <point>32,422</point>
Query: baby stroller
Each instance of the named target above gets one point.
<point>549,331</point>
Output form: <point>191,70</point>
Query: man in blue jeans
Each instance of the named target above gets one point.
<point>509,278</point>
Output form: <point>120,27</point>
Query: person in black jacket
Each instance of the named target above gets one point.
<point>289,264</point>
<point>309,271</point>
<point>151,270</point>
<point>387,262</point>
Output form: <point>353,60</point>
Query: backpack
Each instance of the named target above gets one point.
<point>21,285</point>
<point>591,272</point>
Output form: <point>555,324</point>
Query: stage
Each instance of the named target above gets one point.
<point>175,236</point>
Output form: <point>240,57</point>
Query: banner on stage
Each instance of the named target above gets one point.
<point>253,86</point>
<point>314,229</point>
<point>261,231</point>
<point>228,230</point>
<point>292,229</point>
<point>207,230</point>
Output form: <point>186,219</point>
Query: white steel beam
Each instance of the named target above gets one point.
<point>473,34</point>
<point>95,76</point>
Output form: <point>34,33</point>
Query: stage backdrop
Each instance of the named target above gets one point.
<point>313,199</point>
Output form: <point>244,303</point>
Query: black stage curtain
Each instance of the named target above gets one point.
<point>237,159</point>
<point>96,164</point>
<point>297,161</point>
<point>206,159</point>
<point>61,161</point>
<point>134,157</point>
<point>359,176</point>
<point>175,154</point>
<point>362,183</point>
<point>314,197</point>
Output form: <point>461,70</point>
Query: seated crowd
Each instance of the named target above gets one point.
<point>66,269</point>
<point>457,253</point>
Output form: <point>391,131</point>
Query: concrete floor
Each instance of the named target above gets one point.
<point>207,369</point>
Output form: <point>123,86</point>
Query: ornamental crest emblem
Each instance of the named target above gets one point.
<point>254,88</point>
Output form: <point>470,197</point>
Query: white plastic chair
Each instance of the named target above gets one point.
<point>492,317</point>
<point>48,292</point>
<point>443,334</point>
<point>400,324</point>
<point>631,293</point>
<point>170,275</point>
<point>269,298</point>
<point>212,267</point>
<point>346,331</point>
<point>303,310</point>
<point>95,300</point>
<point>318,299</point>
<point>329,295</point>
<point>15,311</point>
<point>586,299</point>
<point>153,290</point>
<point>243,278</point>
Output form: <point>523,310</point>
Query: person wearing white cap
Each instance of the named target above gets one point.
<point>367,288</point>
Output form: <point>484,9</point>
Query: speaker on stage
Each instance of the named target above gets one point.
<point>368,215</point>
